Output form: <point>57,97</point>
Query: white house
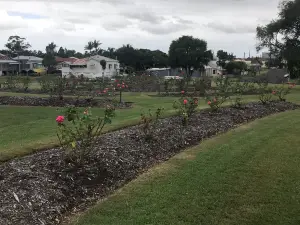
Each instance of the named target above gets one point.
<point>91,67</point>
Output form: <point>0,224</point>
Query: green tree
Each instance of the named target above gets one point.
<point>17,44</point>
<point>89,46</point>
<point>236,67</point>
<point>190,54</point>
<point>281,36</point>
<point>49,59</point>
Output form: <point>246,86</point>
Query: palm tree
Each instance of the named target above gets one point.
<point>96,45</point>
<point>89,46</point>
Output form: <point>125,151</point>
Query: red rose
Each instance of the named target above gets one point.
<point>185,101</point>
<point>209,102</point>
<point>60,119</point>
<point>118,85</point>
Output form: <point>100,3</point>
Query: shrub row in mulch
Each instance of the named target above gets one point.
<point>42,189</point>
<point>56,102</point>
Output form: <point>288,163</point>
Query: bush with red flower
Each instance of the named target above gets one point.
<point>120,86</point>
<point>282,91</point>
<point>215,102</point>
<point>77,131</point>
<point>186,107</point>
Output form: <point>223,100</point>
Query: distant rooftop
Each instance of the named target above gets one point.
<point>29,58</point>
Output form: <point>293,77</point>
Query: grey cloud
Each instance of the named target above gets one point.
<point>232,28</point>
<point>10,26</point>
<point>143,16</point>
<point>163,29</point>
<point>116,25</point>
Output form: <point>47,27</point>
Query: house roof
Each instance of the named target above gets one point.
<point>70,60</point>
<point>79,62</point>
<point>100,57</point>
<point>6,59</point>
<point>29,58</point>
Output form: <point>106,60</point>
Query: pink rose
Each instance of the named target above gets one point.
<point>60,119</point>
<point>182,92</point>
<point>185,101</point>
<point>123,86</point>
<point>118,85</point>
<point>209,102</point>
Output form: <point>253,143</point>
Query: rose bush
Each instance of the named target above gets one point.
<point>76,132</point>
<point>282,91</point>
<point>186,107</point>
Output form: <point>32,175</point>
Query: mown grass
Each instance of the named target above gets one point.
<point>248,176</point>
<point>27,129</point>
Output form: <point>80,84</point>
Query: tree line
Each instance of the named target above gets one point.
<point>282,37</point>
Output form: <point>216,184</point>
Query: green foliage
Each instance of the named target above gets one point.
<point>103,64</point>
<point>236,67</point>
<point>149,123</point>
<point>186,107</point>
<point>238,89</point>
<point>25,81</point>
<point>282,91</point>
<point>17,44</point>
<point>58,86</point>
<point>45,83</point>
<point>202,85</point>
<point>189,53</point>
<point>281,36</point>
<point>223,57</point>
<point>77,134</point>
<point>215,102</point>
<point>264,92</point>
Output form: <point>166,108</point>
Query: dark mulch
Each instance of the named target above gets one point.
<point>56,102</point>
<point>40,189</point>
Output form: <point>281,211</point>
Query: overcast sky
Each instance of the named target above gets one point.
<point>153,24</point>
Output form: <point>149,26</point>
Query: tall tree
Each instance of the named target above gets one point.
<point>49,59</point>
<point>96,46</point>
<point>89,46</point>
<point>190,54</point>
<point>51,48</point>
<point>281,36</point>
<point>61,52</point>
<point>17,44</point>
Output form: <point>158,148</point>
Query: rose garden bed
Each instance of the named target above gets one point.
<point>43,189</point>
<point>56,102</point>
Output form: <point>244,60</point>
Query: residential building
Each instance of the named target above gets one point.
<point>212,69</point>
<point>61,61</point>
<point>28,63</point>
<point>6,64</point>
<point>91,67</point>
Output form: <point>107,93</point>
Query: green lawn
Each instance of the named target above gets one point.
<point>26,129</point>
<point>249,176</point>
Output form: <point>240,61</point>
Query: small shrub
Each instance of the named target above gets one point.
<point>120,86</point>
<point>282,91</point>
<point>76,135</point>
<point>237,91</point>
<point>46,83</point>
<point>25,81</point>
<point>149,123</point>
<point>186,107</point>
<point>264,93</point>
<point>215,102</point>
